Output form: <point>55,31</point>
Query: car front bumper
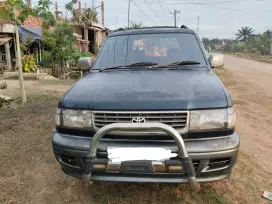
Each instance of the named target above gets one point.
<point>213,158</point>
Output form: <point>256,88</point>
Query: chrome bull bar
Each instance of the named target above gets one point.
<point>182,152</point>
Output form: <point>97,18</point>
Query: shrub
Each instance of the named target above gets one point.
<point>29,63</point>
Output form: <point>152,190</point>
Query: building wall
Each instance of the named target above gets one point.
<point>7,28</point>
<point>99,36</point>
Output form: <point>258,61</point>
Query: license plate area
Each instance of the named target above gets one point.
<point>136,167</point>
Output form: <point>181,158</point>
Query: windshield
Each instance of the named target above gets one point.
<point>155,48</point>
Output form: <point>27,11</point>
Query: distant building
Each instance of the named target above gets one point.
<point>88,39</point>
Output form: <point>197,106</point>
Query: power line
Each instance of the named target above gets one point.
<point>212,4</point>
<point>152,10</point>
<point>139,8</point>
<point>204,3</point>
<point>160,5</point>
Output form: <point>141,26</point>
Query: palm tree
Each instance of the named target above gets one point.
<point>134,25</point>
<point>268,33</point>
<point>244,33</point>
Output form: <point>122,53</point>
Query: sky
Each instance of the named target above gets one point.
<point>217,18</point>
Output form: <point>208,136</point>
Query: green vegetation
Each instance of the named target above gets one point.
<point>244,33</point>
<point>86,16</point>
<point>134,25</point>
<point>246,42</point>
<point>60,42</point>
<point>29,63</point>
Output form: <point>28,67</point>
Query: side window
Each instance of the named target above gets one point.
<point>113,53</point>
<point>106,57</point>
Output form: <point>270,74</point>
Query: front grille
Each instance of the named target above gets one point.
<point>176,119</point>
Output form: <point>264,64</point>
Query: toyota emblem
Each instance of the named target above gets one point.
<point>138,120</point>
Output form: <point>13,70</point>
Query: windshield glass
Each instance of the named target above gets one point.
<point>156,48</point>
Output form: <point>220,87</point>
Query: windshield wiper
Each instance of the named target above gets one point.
<point>174,64</point>
<point>129,65</point>
<point>113,67</point>
<point>142,64</point>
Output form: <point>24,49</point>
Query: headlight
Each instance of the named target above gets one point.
<point>212,119</point>
<point>76,118</point>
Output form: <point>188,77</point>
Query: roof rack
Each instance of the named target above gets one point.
<point>122,29</point>
<point>157,27</point>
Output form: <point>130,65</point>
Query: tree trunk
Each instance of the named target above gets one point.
<point>20,69</point>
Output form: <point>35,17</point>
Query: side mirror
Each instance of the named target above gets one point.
<point>85,63</point>
<point>216,60</point>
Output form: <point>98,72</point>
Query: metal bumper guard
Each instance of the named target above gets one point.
<point>182,152</point>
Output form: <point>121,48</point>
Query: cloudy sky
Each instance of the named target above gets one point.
<point>218,18</point>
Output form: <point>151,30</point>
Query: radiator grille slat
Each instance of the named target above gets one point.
<point>177,120</point>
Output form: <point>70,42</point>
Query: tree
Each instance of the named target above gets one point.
<point>86,16</point>
<point>134,25</point>
<point>260,44</point>
<point>43,11</point>
<point>244,33</point>
<point>60,42</point>
<point>268,33</point>
<point>9,13</point>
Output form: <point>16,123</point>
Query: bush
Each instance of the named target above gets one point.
<point>76,55</point>
<point>29,63</point>
<point>47,59</point>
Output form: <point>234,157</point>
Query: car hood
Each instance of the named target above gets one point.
<point>147,90</point>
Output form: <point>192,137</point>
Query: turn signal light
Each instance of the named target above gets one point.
<point>99,166</point>
<point>175,168</point>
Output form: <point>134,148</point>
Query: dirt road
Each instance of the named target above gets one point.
<point>251,90</point>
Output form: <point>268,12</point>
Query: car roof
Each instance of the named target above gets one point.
<point>151,30</point>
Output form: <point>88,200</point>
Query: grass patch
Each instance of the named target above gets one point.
<point>260,58</point>
<point>226,76</point>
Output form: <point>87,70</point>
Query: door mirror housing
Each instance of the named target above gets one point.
<point>216,60</point>
<point>85,63</point>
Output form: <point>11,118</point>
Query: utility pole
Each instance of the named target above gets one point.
<point>197,27</point>
<point>19,63</point>
<point>175,16</point>
<point>128,11</point>
<point>102,12</point>
<point>79,6</point>
<point>29,3</point>
<point>56,8</point>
